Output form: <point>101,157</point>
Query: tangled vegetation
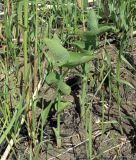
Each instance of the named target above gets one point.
<point>55,61</point>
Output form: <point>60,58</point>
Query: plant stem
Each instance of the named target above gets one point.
<point>90,134</point>
<point>83,93</point>
<point>36,41</point>
<point>86,134</point>
<point>58,124</point>
<point>26,71</point>
<point>25,39</point>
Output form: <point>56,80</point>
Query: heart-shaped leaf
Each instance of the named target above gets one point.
<point>78,59</point>
<point>57,51</point>
<point>94,30</point>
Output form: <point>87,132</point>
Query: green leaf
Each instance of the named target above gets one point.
<point>15,118</point>
<point>127,62</point>
<point>57,82</point>
<point>58,137</point>
<point>123,17</point>
<point>56,132</point>
<point>55,37</point>
<point>102,29</point>
<point>89,38</point>
<point>132,118</point>
<point>126,83</point>
<point>80,45</point>
<point>45,113</point>
<point>78,59</point>
<point>64,88</point>
<point>106,28</point>
<point>109,122</point>
<point>52,78</point>
<point>62,106</point>
<point>87,34</point>
<point>92,22</point>
<point>57,51</point>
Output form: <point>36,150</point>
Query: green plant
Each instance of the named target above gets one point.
<point>31,55</point>
<point>63,59</point>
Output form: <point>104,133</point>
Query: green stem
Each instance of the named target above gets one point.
<point>27,84</point>
<point>83,96</point>
<point>58,124</point>
<point>86,134</point>
<point>90,135</point>
<point>36,42</point>
<point>25,39</point>
<point>103,112</point>
<point>83,93</point>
